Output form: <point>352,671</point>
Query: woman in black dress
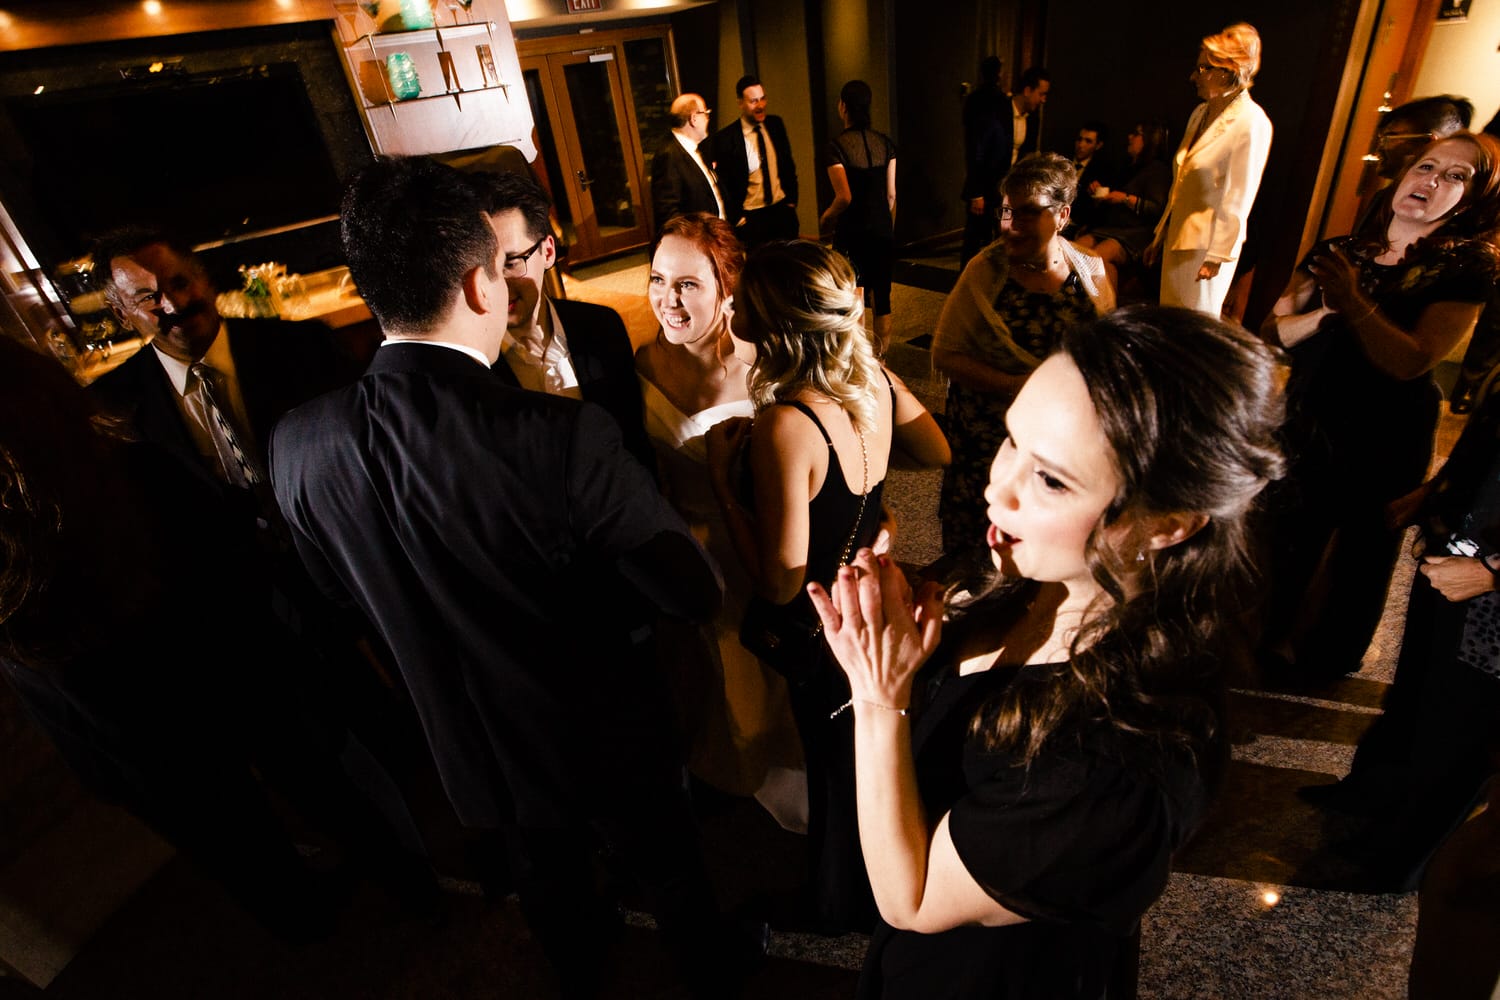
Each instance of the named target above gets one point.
<point>1028,765</point>
<point>1367,319</point>
<point>829,421</point>
<point>862,170</point>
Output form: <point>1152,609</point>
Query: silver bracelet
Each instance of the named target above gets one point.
<point>865,701</point>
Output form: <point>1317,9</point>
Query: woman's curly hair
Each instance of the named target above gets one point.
<point>805,316</point>
<point>1190,407</point>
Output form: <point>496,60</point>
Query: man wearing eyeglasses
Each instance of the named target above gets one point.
<point>681,180</point>
<point>1414,124</point>
<point>557,346</point>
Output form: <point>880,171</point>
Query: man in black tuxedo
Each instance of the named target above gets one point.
<point>757,175</point>
<point>681,180</point>
<point>512,553</point>
<point>563,348</point>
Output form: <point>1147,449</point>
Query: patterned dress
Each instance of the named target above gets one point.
<point>975,419</point>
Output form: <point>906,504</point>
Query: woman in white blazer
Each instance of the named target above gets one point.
<point>1217,171</point>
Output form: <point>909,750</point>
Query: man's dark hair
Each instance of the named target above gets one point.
<point>1100,130</point>
<point>412,228</point>
<point>1441,115</point>
<point>503,190</point>
<point>748,80</point>
<point>1033,77</point>
<point>989,71</point>
<point>127,241</point>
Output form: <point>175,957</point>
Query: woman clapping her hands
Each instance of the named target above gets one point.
<point>1029,758</point>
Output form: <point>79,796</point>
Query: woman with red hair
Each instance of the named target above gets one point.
<point>739,729</point>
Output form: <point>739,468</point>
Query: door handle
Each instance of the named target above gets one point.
<point>584,180</point>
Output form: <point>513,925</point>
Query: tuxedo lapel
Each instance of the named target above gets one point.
<point>503,372</point>
<point>586,362</point>
<point>261,380</point>
<point>157,415</point>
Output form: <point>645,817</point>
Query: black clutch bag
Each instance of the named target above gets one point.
<point>782,636</point>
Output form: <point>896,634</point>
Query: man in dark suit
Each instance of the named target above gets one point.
<point>94,561</point>
<point>998,141</point>
<point>563,348</point>
<point>757,175</point>
<point>1026,106</point>
<point>207,390</point>
<point>258,368</point>
<point>511,553</point>
<point>983,113</point>
<point>681,179</point>
<point>1091,161</point>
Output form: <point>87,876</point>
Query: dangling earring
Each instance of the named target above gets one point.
<point>1140,557</point>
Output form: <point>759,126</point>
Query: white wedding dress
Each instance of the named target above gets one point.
<point>741,735</point>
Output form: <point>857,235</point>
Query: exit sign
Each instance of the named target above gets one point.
<point>579,6</point>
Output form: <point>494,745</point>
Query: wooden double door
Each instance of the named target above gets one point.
<point>600,103</point>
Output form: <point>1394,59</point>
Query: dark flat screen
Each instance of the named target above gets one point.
<point>212,156</point>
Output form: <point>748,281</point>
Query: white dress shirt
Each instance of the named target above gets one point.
<point>553,372</point>
<point>460,348</point>
<point>190,402</point>
<point>713,182</point>
<point>754,197</point>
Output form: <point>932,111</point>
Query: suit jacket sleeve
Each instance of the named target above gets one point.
<point>666,186</point>
<point>619,512</point>
<point>284,436</point>
<point>1247,161</point>
<point>604,360</point>
<point>991,161</point>
<point>786,167</point>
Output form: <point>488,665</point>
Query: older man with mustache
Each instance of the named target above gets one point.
<point>207,390</point>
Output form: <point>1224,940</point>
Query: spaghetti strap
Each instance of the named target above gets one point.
<point>798,404</point>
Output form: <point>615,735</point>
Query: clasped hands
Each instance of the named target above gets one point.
<point>1457,578</point>
<point>1338,280</point>
<point>880,630</point>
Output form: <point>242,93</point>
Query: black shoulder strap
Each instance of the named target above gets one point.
<point>799,405</point>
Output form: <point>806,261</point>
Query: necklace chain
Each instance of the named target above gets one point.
<point>1027,265</point>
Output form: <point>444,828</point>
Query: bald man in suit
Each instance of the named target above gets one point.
<point>681,180</point>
